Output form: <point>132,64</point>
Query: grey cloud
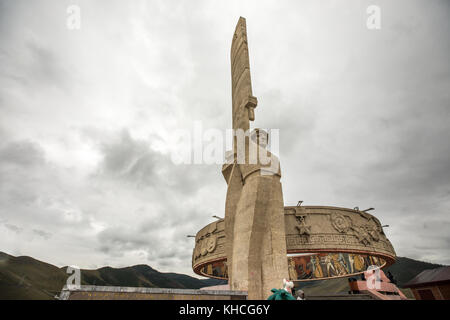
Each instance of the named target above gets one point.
<point>363,118</point>
<point>13,228</point>
<point>46,68</point>
<point>121,239</point>
<point>42,233</point>
<point>134,161</point>
<point>22,153</point>
<point>159,246</point>
<point>130,160</point>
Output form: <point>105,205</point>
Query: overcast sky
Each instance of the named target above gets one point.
<point>87,116</point>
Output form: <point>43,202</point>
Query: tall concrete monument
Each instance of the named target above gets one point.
<point>260,241</point>
<point>254,209</point>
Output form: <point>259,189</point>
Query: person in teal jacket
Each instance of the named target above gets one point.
<point>283,294</point>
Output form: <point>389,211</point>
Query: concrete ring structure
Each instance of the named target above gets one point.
<point>322,242</point>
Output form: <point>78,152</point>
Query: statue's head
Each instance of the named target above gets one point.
<point>260,137</point>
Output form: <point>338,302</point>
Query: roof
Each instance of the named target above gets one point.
<point>67,291</point>
<point>430,276</point>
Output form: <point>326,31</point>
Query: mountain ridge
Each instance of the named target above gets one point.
<point>24,277</point>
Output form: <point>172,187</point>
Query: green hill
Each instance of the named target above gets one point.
<point>404,269</point>
<point>28,278</point>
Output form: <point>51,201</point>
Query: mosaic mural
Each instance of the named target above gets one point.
<point>216,269</point>
<point>329,265</point>
<point>312,266</point>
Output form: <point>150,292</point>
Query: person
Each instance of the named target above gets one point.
<point>291,268</point>
<point>283,294</point>
<point>300,294</point>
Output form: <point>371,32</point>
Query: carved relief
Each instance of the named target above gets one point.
<point>340,222</point>
<point>211,244</point>
<point>204,249</point>
<point>362,235</point>
<point>365,233</point>
<point>369,232</point>
<point>346,230</point>
<point>207,240</point>
<point>302,227</point>
<point>373,231</point>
